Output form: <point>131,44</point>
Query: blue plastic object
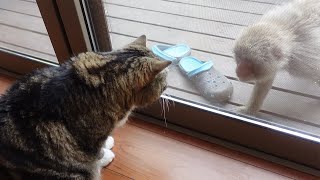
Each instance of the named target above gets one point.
<point>171,53</point>
<point>192,66</point>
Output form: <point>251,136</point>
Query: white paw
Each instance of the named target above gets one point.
<point>107,158</point>
<point>109,143</point>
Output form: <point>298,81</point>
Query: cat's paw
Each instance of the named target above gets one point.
<point>107,158</point>
<point>107,154</point>
<point>109,143</point>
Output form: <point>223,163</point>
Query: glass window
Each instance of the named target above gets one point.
<point>22,30</point>
<point>210,29</point>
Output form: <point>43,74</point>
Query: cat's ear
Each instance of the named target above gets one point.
<point>140,41</point>
<point>157,65</point>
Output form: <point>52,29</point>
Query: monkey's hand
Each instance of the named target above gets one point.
<point>245,110</point>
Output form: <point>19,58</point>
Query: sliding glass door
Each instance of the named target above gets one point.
<point>39,33</point>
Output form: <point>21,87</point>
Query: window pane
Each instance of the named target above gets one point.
<point>22,29</point>
<point>210,28</point>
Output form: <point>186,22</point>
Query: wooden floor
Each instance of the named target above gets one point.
<point>146,151</point>
<point>210,27</point>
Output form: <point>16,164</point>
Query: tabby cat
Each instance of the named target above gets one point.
<point>54,122</point>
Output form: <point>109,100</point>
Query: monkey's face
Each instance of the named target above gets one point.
<point>254,69</point>
<point>244,70</point>
<point>258,53</point>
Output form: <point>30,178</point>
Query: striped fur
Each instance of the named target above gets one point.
<point>54,121</point>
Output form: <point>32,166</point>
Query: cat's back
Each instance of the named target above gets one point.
<point>22,100</point>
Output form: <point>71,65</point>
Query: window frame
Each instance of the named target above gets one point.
<point>243,131</point>
<point>19,63</point>
<point>67,29</point>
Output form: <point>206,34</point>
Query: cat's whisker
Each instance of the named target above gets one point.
<point>167,104</point>
<point>166,101</point>
<point>161,106</point>
<point>164,112</point>
<point>169,101</point>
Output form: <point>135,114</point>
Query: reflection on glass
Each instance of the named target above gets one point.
<point>22,29</point>
<point>211,28</point>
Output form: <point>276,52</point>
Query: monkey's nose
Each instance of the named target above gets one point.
<point>244,70</point>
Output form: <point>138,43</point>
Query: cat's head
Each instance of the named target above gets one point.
<point>133,75</point>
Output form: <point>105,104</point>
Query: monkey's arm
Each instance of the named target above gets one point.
<point>260,91</point>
